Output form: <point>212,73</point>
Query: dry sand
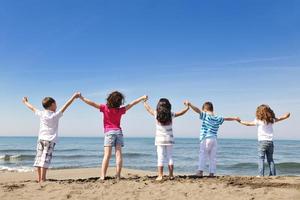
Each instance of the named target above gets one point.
<point>85,184</point>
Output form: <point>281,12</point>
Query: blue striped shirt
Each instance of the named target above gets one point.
<point>210,125</point>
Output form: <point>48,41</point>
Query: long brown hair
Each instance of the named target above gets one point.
<point>265,114</point>
<point>163,111</point>
<point>115,99</point>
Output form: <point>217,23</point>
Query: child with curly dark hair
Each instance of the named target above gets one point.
<point>112,112</point>
<point>265,118</point>
<point>164,139</point>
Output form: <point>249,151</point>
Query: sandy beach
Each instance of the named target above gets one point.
<point>84,184</point>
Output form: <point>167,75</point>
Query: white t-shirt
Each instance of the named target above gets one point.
<point>264,130</point>
<point>164,133</point>
<point>48,124</point>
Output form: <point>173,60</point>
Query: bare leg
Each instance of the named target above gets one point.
<point>160,170</point>
<point>44,173</point>
<point>39,172</point>
<point>119,161</point>
<point>171,170</point>
<point>105,161</point>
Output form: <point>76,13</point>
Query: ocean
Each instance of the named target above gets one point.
<point>234,157</point>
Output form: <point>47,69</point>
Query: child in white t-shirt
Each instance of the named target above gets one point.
<point>265,118</point>
<point>164,139</point>
<point>47,138</point>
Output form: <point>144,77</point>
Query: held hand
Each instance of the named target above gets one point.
<point>287,115</point>
<point>76,95</point>
<point>145,98</point>
<point>237,119</point>
<point>80,95</point>
<point>186,103</point>
<point>25,100</point>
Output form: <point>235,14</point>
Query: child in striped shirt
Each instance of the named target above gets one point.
<point>164,139</point>
<point>208,136</point>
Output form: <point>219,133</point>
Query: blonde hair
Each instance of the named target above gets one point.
<point>265,114</point>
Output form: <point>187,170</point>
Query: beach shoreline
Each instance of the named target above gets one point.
<point>139,184</point>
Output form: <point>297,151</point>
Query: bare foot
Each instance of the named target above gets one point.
<point>199,174</point>
<point>171,177</point>
<point>102,179</point>
<point>118,177</point>
<point>159,178</point>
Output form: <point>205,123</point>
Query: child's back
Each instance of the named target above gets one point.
<point>48,124</point>
<point>265,118</point>
<point>208,136</point>
<point>112,117</point>
<point>164,132</point>
<point>113,135</point>
<point>264,130</point>
<point>48,132</point>
<point>210,125</point>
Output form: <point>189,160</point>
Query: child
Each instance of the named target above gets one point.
<point>164,139</point>
<point>208,136</point>
<point>265,118</point>
<point>48,133</point>
<point>112,112</point>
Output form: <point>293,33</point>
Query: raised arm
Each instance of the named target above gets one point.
<point>194,108</point>
<point>284,117</point>
<point>31,107</point>
<point>133,103</point>
<point>182,112</point>
<point>247,123</point>
<point>148,108</point>
<point>89,102</point>
<point>69,102</point>
<point>232,119</point>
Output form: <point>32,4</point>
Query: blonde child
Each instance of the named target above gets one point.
<point>48,132</point>
<point>208,136</point>
<point>265,118</point>
<point>164,139</point>
<point>112,112</point>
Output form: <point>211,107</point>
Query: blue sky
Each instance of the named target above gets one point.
<point>237,54</point>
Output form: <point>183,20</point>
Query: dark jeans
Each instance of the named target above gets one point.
<point>266,148</point>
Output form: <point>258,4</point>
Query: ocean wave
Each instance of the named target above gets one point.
<point>283,165</point>
<point>75,156</point>
<point>16,169</point>
<point>17,157</point>
<point>134,155</point>
<point>11,151</point>
<point>69,150</point>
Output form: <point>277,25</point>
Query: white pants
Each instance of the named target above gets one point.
<point>164,153</point>
<point>208,149</point>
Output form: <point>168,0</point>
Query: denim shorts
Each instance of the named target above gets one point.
<point>114,138</point>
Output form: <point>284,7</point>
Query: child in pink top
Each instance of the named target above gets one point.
<point>112,112</point>
<point>112,117</point>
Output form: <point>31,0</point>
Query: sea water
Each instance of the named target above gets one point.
<point>234,156</point>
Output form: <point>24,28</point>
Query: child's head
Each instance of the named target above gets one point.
<point>163,111</point>
<point>115,99</point>
<point>265,114</point>
<point>208,107</point>
<point>49,104</point>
